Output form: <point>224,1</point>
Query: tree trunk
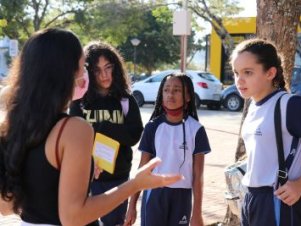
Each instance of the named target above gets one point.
<point>278,21</point>
<point>241,149</point>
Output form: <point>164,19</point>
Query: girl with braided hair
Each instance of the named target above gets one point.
<point>258,75</point>
<point>175,135</point>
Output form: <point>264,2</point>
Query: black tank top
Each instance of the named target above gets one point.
<point>41,182</point>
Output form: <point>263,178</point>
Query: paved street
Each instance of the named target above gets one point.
<point>222,128</point>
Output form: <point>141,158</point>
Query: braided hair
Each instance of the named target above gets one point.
<point>186,83</point>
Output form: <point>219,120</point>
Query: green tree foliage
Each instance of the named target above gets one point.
<point>26,16</point>
<point>111,21</point>
<point>12,11</point>
<point>158,45</point>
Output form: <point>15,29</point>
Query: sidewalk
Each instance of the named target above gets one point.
<point>222,128</point>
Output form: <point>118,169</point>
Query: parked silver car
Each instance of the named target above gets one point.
<point>206,86</point>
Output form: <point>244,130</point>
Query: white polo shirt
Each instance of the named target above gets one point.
<point>258,133</point>
<point>165,140</point>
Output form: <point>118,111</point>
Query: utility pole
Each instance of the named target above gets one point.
<point>182,27</point>
<point>184,44</point>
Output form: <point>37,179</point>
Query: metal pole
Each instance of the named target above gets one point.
<point>206,54</point>
<point>183,52</point>
<point>183,45</point>
<point>135,42</point>
<point>134,60</point>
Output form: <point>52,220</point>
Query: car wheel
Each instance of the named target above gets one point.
<point>197,101</point>
<point>139,98</point>
<point>234,102</point>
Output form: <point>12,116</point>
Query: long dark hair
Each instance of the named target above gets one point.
<point>266,54</point>
<point>120,82</point>
<point>42,81</point>
<point>186,83</point>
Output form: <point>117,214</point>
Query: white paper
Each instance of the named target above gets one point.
<point>105,152</point>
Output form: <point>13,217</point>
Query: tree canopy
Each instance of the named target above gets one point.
<point>115,22</point>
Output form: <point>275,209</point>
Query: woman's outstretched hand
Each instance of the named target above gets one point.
<point>145,179</point>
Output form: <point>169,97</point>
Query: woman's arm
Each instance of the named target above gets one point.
<point>197,188</point>
<point>75,208</point>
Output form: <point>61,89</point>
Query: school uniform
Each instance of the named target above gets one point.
<point>171,205</point>
<point>258,133</point>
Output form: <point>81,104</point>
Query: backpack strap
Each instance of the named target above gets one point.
<point>57,142</point>
<point>282,171</point>
<point>293,151</point>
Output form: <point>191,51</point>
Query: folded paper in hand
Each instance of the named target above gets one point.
<point>105,152</point>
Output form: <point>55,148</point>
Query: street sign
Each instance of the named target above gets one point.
<point>182,23</point>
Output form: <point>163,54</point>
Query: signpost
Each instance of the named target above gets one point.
<point>182,27</point>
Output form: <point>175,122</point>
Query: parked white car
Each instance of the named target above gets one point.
<point>206,86</point>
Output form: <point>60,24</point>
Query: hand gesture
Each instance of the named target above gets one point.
<point>145,179</point>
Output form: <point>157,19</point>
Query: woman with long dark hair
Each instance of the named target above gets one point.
<point>45,155</point>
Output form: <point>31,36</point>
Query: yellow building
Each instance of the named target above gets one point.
<point>239,29</point>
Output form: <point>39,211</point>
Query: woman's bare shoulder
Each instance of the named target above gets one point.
<point>78,126</point>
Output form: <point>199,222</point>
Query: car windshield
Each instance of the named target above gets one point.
<point>208,76</point>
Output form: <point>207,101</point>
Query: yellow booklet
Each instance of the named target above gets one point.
<point>105,152</point>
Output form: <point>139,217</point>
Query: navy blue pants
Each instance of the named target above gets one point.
<point>258,209</point>
<point>116,216</point>
<point>166,207</point>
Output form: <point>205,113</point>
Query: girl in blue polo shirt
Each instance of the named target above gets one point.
<point>175,135</point>
<point>259,75</point>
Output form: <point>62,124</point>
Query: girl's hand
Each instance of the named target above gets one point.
<point>97,171</point>
<point>289,193</point>
<point>145,179</point>
<point>131,216</point>
<point>196,221</point>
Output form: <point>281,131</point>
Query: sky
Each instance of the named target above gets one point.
<point>249,8</point>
